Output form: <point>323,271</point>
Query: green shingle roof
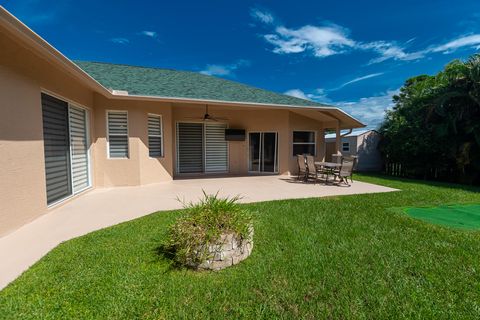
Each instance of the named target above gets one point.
<point>181,84</point>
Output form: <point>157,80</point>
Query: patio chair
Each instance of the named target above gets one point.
<point>337,158</point>
<point>302,167</point>
<point>346,170</point>
<point>313,171</point>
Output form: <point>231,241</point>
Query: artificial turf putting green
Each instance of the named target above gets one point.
<point>455,216</point>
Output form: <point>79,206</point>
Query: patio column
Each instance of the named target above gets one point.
<point>338,138</point>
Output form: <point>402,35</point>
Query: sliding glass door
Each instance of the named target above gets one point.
<point>263,149</point>
<point>65,138</point>
<point>201,147</point>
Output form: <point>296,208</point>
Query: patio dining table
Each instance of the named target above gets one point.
<point>329,167</point>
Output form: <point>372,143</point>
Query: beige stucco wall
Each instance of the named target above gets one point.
<point>138,168</point>
<point>23,76</point>
<point>300,123</point>
<point>22,177</point>
<point>250,119</point>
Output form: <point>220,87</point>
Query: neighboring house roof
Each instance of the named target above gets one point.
<point>354,133</point>
<point>147,81</point>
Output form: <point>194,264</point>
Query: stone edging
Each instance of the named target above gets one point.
<point>227,251</point>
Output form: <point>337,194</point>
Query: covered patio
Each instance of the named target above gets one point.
<point>105,207</point>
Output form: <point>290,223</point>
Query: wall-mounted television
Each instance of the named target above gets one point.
<point>235,134</point>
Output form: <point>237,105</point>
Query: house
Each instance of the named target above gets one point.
<point>360,143</point>
<point>67,127</point>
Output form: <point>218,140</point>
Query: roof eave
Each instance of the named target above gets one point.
<point>358,123</point>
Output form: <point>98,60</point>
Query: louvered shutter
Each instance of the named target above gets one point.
<point>56,147</point>
<point>190,147</point>
<point>118,134</point>
<point>155,136</point>
<point>78,141</point>
<point>216,148</point>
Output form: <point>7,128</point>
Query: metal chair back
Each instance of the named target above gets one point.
<point>311,163</point>
<point>346,168</point>
<point>302,167</point>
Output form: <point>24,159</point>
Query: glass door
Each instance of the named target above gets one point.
<point>263,149</point>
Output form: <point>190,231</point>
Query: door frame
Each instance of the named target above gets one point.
<point>276,160</point>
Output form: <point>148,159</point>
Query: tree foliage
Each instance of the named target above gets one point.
<point>434,129</point>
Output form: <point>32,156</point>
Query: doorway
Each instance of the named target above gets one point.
<point>263,149</point>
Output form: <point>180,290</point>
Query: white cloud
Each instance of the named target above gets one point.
<point>297,93</point>
<point>151,34</point>
<point>331,39</point>
<point>120,40</point>
<point>321,41</point>
<point>463,41</point>
<point>224,69</point>
<point>317,95</point>
<point>389,50</point>
<point>368,76</point>
<point>369,110</point>
<point>262,16</point>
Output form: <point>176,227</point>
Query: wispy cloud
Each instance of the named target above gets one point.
<point>262,15</point>
<point>151,34</point>
<point>389,50</point>
<point>297,93</point>
<point>120,40</point>
<point>368,76</point>
<point>331,39</point>
<point>472,40</point>
<point>224,69</point>
<point>322,41</point>
<point>317,95</point>
<point>369,110</point>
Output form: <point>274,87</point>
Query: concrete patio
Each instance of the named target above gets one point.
<point>101,208</point>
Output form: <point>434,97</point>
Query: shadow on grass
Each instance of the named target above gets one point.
<point>163,254</point>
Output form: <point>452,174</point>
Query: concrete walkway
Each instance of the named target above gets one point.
<point>101,208</point>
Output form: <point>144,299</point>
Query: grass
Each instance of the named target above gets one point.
<point>337,257</point>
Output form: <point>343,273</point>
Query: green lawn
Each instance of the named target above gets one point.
<point>338,257</point>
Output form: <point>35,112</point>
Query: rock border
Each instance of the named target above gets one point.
<point>228,251</point>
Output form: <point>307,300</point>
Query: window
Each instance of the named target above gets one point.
<point>117,134</point>
<point>304,142</point>
<point>346,146</point>
<point>155,148</point>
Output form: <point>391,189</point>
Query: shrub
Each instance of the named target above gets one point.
<point>201,226</point>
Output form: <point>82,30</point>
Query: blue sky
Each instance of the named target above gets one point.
<point>353,54</point>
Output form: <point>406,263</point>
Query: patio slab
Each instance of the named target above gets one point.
<point>105,207</point>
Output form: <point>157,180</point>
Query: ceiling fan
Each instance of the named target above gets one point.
<point>207,117</point>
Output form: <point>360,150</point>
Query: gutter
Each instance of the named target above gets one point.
<point>347,133</point>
